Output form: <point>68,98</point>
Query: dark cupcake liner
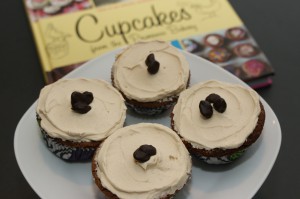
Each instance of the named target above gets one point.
<point>149,111</point>
<point>149,108</point>
<point>66,152</point>
<point>220,160</point>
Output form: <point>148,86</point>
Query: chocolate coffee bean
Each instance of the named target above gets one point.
<point>144,152</point>
<point>141,156</point>
<point>153,68</point>
<point>80,101</point>
<point>205,109</point>
<point>149,149</point>
<point>218,102</point>
<point>75,97</point>
<point>153,65</point>
<point>150,58</point>
<point>212,98</point>
<point>88,97</point>
<point>220,105</point>
<point>81,107</point>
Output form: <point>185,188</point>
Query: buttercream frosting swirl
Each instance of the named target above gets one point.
<point>132,78</point>
<point>107,113</point>
<point>223,130</point>
<point>165,172</point>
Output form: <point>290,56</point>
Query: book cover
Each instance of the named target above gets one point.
<point>68,33</point>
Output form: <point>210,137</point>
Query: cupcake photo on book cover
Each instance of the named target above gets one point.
<point>218,121</point>
<point>142,161</point>
<point>235,50</point>
<point>39,9</point>
<point>76,115</point>
<point>150,75</point>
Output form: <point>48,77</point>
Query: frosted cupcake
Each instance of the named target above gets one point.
<point>76,115</point>
<point>141,161</point>
<point>218,121</point>
<point>150,76</point>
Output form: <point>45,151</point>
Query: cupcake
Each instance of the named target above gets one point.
<point>219,55</point>
<point>236,34</point>
<point>213,40</point>
<point>141,161</point>
<point>76,115</point>
<point>254,68</point>
<point>235,70</point>
<point>150,76</point>
<point>218,121</point>
<point>245,50</point>
<point>192,46</point>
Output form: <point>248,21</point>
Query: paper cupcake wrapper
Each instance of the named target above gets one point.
<point>221,160</point>
<point>148,111</point>
<point>66,152</point>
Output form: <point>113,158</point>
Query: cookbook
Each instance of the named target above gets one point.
<point>68,33</point>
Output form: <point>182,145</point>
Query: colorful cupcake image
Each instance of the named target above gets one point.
<point>219,55</point>
<point>235,70</point>
<point>245,50</point>
<point>61,3</point>
<point>254,68</point>
<point>213,40</point>
<point>39,9</point>
<point>235,50</point>
<point>236,34</point>
<point>36,4</point>
<point>192,46</point>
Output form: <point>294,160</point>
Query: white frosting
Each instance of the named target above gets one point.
<point>213,40</point>
<point>36,4</point>
<point>223,130</point>
<point>132,78</point>
<point>60,3</point>
<point>167,171</point>
<point>247,49</point>
<point>151,162</point>
<point>236,32</point>
<point>107,113</point>
<point>51,9</point>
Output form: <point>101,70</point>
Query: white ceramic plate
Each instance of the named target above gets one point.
<point>52,178</point>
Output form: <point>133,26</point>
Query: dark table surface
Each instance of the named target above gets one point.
<point>274,24</point>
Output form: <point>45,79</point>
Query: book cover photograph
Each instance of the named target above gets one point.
<point>68,33</point>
